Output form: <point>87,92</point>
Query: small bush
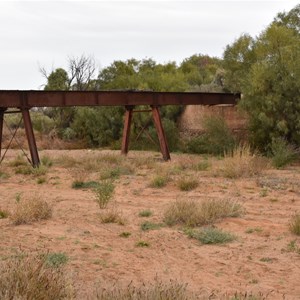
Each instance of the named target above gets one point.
<point>210,235</point>
<point>159,181</point>
<point>55,260</point>
<point>142,244</point>
<point>156,291</point>
<point>28,277</point>
<point>104,193</point>
<point>46,161</point>
<point>85,185</point>
<point>3,214</point>
<point>125,234</point>
<point>241,162</point>
<point>110,173</point>
<point>202,166</point>
<point>282,153</point>
<point>191,213</point>
<point>30,210</point>
<point>295,224</point>
<point>187,184</point>
<point>145,213</point>
<point>112,215</point>
<point>18,161</point>
<point>145,226</point>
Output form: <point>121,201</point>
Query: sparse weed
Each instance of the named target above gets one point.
<point>104,193</point>
<point>41,180</point>
<point>112,215</point>
<point>202,166</point>
<point>145,213</point>
<point>294,224</point>
<point>210,235</point>
<point>191,213</point>
<point>85,185</point>
<point>110,173</point>
<point>255,229</point>
<point>145,226</point>
<point>3,214</point>
<point>18,161</point>
<point>55,260</point>
<point>125,234</point>
<point>142,244</point>
<point>30,210</point>
<point>28,277</point>
<point>159,181</point>
<point>187,184</point>
<point>46,161</point>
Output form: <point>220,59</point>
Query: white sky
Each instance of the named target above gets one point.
<point>46,33</point>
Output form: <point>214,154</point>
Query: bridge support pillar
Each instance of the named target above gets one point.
<point>126,129</point>
<point>30,137</point>
<point>2,110</point>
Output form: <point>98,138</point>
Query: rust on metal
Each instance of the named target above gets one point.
<point>24,100</point>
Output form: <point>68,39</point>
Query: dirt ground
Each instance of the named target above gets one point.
<point>260,260</point>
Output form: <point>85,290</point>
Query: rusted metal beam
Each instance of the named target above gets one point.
<point>161,134</point>
<point>30,137</point>
<point>28,99</point>
<point>2,110</point>
<point>126,129</point>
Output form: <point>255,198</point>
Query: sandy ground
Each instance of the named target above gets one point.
<point>258,261</point>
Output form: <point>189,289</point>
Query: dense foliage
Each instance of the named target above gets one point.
<point>266,69</point>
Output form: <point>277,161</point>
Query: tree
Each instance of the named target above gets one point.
<point>266,70</point>
<point>58,80</point>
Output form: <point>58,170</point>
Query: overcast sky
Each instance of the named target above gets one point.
<point>46,33</point>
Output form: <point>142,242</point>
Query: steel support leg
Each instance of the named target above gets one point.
<point>1,127</point>
<point>161,134</point>
<point>30,138</point>
<point>126,129</point>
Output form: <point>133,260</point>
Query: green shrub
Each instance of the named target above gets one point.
<point>145,226</point>
<point>3,214</point>
<point>210,235</point>
<point>55,260</point>
<point>216,139</point>
<point>142,244</point>
<point>125,234</point>
<point>282,153</point>
<point>77,184</point>
<point>112,215</point>
<point>104,193</point>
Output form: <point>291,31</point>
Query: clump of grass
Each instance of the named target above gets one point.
<point>202,166</point>
<point>192,213</point>
<point>28,277</point>
<point>145,213</point>
<point>158,290</point>
<point>112,215</point>
<point>255,229</point>
<point>210,235</point>
<point>241,162</point>
<point>77,184</point>
<point>41,180</point>
<point>46,161</point>
<point>30,210</point>
<point>145,226</point>
<point>294,224</point>
<point>125,234</point>
<point>187,184</point>
<point>55,260</point>
<point>104,193</point>
<point>142,244</point>
<point>29,170</point>
<point>283,153</point>
<point>159,181</point>
<point>3,175</point>
<point>110,173</point>
<point>3,214</point>
<point>18,161</point>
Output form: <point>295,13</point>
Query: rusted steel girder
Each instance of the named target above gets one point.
<point>25,99</point>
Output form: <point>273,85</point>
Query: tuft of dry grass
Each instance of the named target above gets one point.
<point>192,213</point>
<point>28,277</point>
<point>30,210</point>
<point>171,290</point>
<point>294,224</point>
<point>112,215</point>
<point>242,162</point>
<point>187,184</point>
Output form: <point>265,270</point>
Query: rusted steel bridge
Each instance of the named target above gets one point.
<point>23,101</point>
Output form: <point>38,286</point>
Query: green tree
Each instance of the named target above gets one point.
<point>58,80</point>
